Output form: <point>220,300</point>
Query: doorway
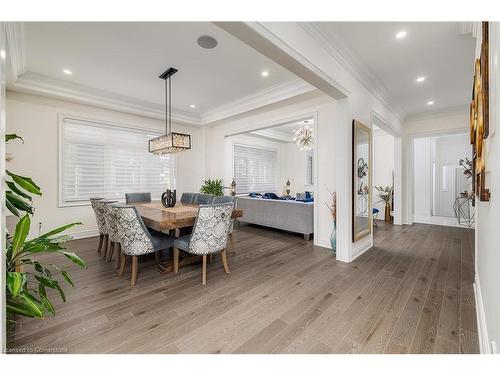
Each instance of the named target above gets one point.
<point>440,178</point>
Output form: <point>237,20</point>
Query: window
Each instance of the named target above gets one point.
<point>255,169</point>
<point>309,167</point>
<point>107,161</point>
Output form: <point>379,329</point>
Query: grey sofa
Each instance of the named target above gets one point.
<point>286,215</point>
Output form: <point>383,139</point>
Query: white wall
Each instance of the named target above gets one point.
<point>422,188</point>
<point>488,216</point>
<point>383,165</point>
<point>36,120</point>
<point>295,169</point>
<point>3,320</point>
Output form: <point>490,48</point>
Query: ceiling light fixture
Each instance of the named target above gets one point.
<point>171,142</point>
<point>207,42</point>
<point>304,138</point>
<point>192,106</point>
<point>430,102</point>
<point>401,34</point>
<point>420,79</point>
<point>67,72</point>
<point>264,73</point>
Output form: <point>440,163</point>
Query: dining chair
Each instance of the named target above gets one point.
<point>203,199</point>
<point>209,236</point>
<point>188,197</point>
<point>135,238</point>
<point>111,223</point>
<point>137,198</point>
<point>228,199</point>
<point>101,206</point>
<point>101,222</point>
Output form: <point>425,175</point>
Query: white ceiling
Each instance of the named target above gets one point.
<point>436,50</point>
<point>282,133</point>
<point>126,58</point>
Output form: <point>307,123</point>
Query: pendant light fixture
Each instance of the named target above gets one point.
<point>171,142</point>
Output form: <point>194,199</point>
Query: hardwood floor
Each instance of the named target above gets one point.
<point>411,293</point>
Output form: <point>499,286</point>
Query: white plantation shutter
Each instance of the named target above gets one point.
<point>255,169</point>
<point>99,160</point>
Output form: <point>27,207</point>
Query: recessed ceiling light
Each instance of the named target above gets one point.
<point>192,106</point>
<point>401,34</point>
<point>420,79</point>
<point>67,72</point>
<point>430,102</point>
<point>207,42</point>
<point>2,54</point>
<point>264,73</point>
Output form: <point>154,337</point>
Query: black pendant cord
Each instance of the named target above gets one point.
<point>170,102</point>
<point>166,107</point>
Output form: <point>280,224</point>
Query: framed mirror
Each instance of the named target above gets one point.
<point>361,180</point>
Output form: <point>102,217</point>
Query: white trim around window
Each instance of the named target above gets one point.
<point>111,155</point>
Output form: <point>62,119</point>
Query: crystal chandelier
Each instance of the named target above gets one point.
<point>170,142</point>
<point>304,138</point>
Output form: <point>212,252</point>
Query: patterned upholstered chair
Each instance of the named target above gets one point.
<point>135,239</point>
<point>101,222</point>
<point>188,197</point>
<point>137,198</point>
<point>209,236</point>
<point>228,199</point>
<point>112,225</point>
<point>203,199</point>
<point>99,204</point>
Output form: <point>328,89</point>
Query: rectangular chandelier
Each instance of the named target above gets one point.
<point>170,143</point>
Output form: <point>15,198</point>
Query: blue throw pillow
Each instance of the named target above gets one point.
<point>271,196</point>
<point>309,194</point>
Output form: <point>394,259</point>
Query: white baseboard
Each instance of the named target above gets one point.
<point>438,220</point>
<point>361,250</point>
<point>482,330</point>
<point>322,243</point>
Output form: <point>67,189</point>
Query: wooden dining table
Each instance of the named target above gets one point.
<point>171,220</point>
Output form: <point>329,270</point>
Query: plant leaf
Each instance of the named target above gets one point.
<point>74,258</point>
<point>59,230</point>
<point>66,277</point>
<point>24,304</point>
<point>25,182</point>
<point>9,137</point>
<point>18,202</point>
<point>12,186</point>
<point>11,208</point>
<point>15,282</point>
<point>22,230</point>
<point>48,305</point>
<point>51,283</point>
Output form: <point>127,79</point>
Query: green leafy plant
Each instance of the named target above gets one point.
<point>213,187</point>
<point>27,277</point>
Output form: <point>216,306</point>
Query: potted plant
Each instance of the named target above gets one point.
<point>212,187</point>
<point>27,276</point>
<point>385,194</point>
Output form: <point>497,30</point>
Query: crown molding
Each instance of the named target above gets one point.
<point>270,95</point>
<point>15,42</point>
<point>272,135</point>
<point>44,86</point>
<point>335,48</point>
<point>440,113</point>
